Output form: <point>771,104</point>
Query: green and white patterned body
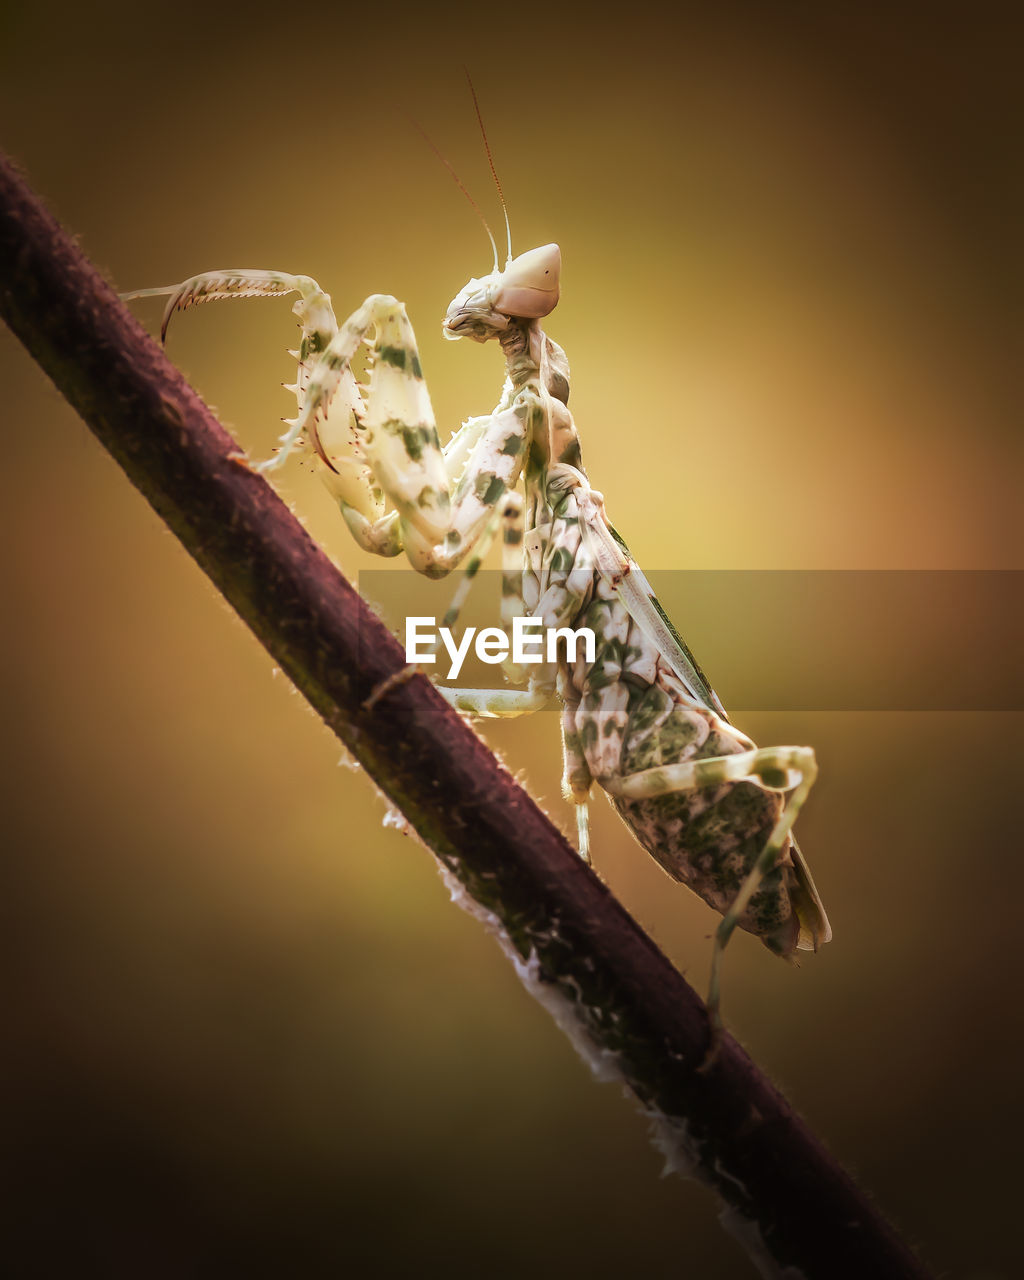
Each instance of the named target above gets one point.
<point>629,713</point>
<point>640,720</point>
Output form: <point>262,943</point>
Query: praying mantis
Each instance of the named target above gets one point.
<point>639,718</point>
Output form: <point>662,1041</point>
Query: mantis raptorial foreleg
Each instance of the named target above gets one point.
<point>382,451</point>
<point>313,308</point>
<point>398,439</point>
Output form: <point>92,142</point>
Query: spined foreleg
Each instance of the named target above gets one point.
<point>378,449</point>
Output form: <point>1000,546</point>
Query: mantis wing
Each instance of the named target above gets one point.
<point>615,564</point>
<point>815,929</point>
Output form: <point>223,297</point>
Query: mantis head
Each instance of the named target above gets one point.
<point>527,289</point>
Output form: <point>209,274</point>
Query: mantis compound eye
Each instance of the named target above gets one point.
<point>529,284</point>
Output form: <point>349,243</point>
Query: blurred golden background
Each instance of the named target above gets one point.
<point>244,1026</point>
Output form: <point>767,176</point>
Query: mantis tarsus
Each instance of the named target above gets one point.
<point>641,720</point>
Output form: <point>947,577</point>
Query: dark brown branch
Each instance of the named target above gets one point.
<point>740,1133</point>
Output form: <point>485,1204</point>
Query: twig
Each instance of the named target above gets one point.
<point>576,947</point>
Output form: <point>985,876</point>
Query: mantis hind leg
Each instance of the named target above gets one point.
<point>771,759</point>
<point>781,769</point>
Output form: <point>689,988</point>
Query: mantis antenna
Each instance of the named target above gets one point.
<point>458,182</point>
<point>490,161</point>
